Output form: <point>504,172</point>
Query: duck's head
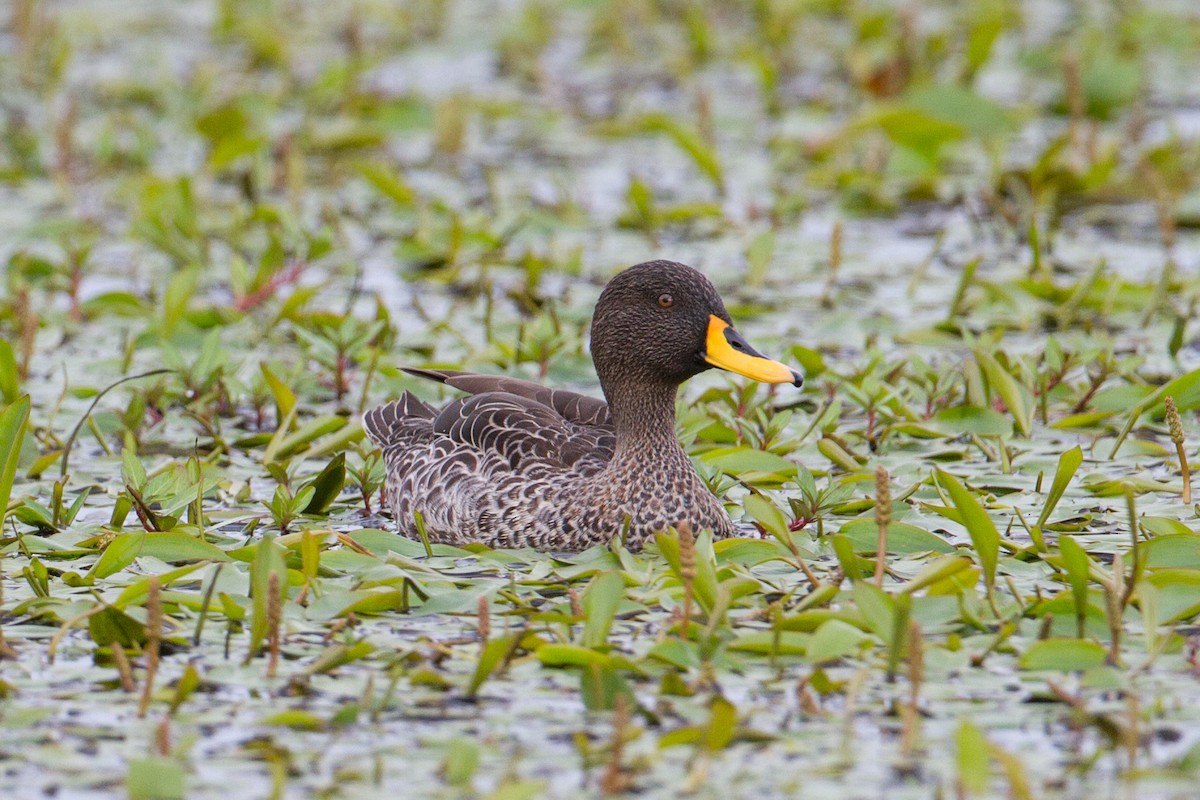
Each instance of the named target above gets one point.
<point>663,322</point>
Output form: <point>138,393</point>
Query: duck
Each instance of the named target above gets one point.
<point>517,464</point>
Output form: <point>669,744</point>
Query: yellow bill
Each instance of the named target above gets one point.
<point>725,348</point>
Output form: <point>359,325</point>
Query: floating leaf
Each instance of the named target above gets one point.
<point>902,538</point>
<point>973,419</point>
<point>833,640</point>
<point>1178,594</point>
<point>155,778</point>
<point>175,546</point>
<point>1063,655</point>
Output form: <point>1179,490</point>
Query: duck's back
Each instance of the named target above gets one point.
<point>493,467</point>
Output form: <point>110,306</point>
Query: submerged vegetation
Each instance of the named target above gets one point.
<point>972,560</point>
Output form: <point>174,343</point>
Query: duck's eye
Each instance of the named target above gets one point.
<point>665,300</point>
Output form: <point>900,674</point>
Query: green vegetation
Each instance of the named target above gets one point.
<point>972,563</point>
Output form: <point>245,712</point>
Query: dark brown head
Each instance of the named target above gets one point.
<point>662,322</point>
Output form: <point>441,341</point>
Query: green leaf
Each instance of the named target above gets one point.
<point>187,684</point>
<point>12,437</point>
<point>936,571</point>
<point>600,686</point>
<point>1064,655</point>
<point>1165,526</point>
<point>902,538</point>
<point>310,555</point>
<point>973,419</point>
<point>327,485</point>
<point>285,398</point>
<point>180,290</point>
<point>979,525</point>
<point>854,566</point>
<point>704,585</point>
<point>750,552</point>
<point>303,436</point>
<point>490,659</point>
<point>912,128</point>
<point>570,655</point>
<point>702,154</point>
<point>114,628</point>
<point>175,546</point>
<point>513,789</point>
<point>1184,390</point>
<point>740,461</point>
<point>971,747</point>
<point>835,639</point>
<point>763,511</point>
<point>132,470</point>
<point>1149,604</point>
<point>10,377</point>
<point>296,719</point>
<point>600,602</point>
<point>268,560</point>
<point>460,762</point>
<point>1068,464</point>
<point>877,608</point>
<point>155,778</point>
<point>1078,566</point>
<point>338,655</point>
<point>333,603</point>
<point>1173,550</point>
<point>722,725</point>
<point>1110,82</point>
<point>960,106</point>
<point>136,592</point>
<point>119,554</point>
<point>1178,594</point>
<point>1010,391</point>
<point>772,643</point>
<point>386,180</point>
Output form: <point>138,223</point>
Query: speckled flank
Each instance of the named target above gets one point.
<point>517,464</point>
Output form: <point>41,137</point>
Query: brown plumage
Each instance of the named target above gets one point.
<point>518,464</point>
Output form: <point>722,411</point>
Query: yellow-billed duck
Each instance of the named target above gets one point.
<point>518,464</point>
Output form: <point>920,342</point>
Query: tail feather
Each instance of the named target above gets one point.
<point>383,423</point>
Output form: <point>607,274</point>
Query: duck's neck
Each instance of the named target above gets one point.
<point>644,418</point>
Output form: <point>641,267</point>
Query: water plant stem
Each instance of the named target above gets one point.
<point>1176,427</point>
<point>153,641</point>
<point>883,518</point>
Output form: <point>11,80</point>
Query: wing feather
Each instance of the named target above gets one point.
<point>580,409</point>
<point>523,431</point>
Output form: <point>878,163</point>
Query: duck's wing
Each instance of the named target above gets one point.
<point>578,409</point>
<point>393,423</point>
<point>477,468</point>
<point>529,425</point>
<point>528,435</point>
